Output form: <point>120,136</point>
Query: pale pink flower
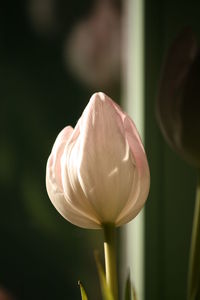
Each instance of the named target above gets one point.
<point>98,173</point>
<point>93,49</point>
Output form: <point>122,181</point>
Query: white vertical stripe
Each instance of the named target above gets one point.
<point>133,103</point>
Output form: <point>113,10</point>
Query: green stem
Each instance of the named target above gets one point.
<point>110,258</point>
<point>194,266</point>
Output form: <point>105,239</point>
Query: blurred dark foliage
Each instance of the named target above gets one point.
<point>41,255</point>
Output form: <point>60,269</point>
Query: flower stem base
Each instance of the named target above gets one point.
<point>110,258</point>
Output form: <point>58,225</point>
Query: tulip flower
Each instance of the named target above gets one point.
<point>178,103</point>
<point>93,49</point>
<point>178,110</point>
<point>97,174</point>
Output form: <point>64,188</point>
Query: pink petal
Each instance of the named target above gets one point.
<point>141,183</point>
<point>55,187</point>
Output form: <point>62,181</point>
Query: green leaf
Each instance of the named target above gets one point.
<point>106,293</point>
<point>130,293</point>
<point>83,293</point>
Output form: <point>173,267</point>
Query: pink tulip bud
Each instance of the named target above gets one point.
<point>98,173</point>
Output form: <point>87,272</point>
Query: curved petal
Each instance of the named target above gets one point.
<point>53,173</point>
<point>72,189</point>
<point>55,187</point>
<point>141,182</point>
<point>70,213</point>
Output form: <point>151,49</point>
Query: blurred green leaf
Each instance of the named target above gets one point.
<point>130,293</point>
<point>83,293</point>
<point>106,293</point>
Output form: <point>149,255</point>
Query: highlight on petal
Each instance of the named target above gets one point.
<point>53,164</point>
<point>141,182</point>
<point>55,187</point>
<point>97,172</point>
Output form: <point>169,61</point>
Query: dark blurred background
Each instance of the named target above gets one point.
<point>53,56</point>
<point>169,210</point>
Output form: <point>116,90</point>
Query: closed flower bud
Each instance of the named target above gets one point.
<point>97,173</point>
<point>178,103</point>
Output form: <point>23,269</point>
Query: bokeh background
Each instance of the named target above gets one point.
<point>53,56</point>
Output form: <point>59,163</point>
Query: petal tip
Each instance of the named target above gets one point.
<point>99,96</point>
